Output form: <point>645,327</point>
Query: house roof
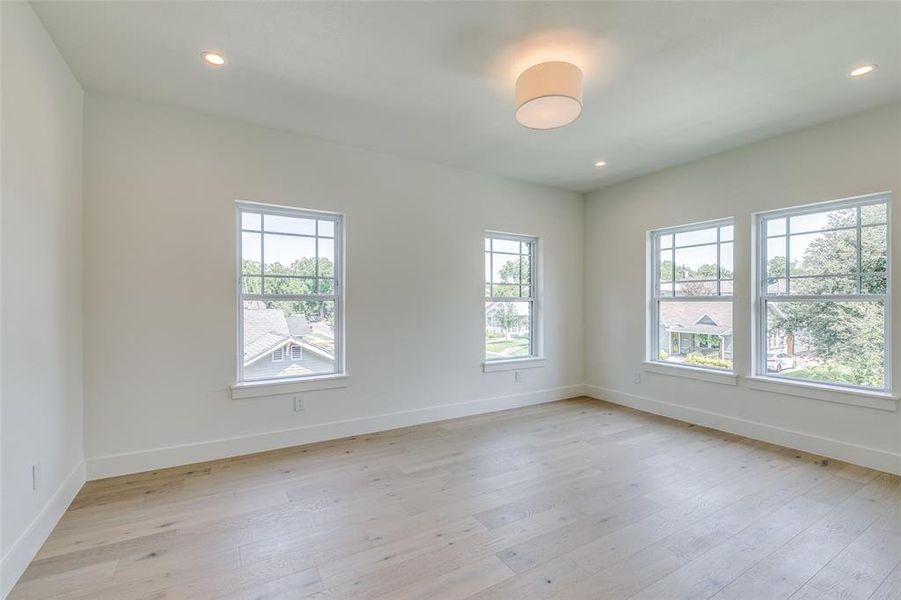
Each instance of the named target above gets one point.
<point>713,318</point>
<point>265,329</point>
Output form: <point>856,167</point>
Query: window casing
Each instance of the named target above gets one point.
<point>290,293</point>
<point>511,281</point>
<point>823,294</point>
<point>691,282</point>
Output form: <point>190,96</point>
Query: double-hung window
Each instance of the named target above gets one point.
<point>690,312</point>
<point>289,293</point>
<point>510,281</point>
<point>824,293</point>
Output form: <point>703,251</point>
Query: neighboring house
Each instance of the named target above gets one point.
<point>279,346</point>
<point>697,327</point>
<point>494,321</point>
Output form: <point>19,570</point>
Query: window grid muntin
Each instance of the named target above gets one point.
<point>531,243</point>
<point>763,297</point>
<point>657,298</point>
<point>336,296</point>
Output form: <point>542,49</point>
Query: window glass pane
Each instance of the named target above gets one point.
<point>505,291</point>
<point>665,265</point>
<point>524,291</point>
<point>726,261</point>
<point>832,342</point>
<point>873,242</point>
<point>526,269</point>
<point>326,256</point>
<point>326,228</point>
<point>251,221</point>
<point>507,332</point>
<point>508,246</point>
<point>775,257</point>
<point>873,213</point>
<point>666,289</point>
<point>776,285</point>
<point>695,288</point>
<point>666,241</point>
<point>293,286</point>
<point>289,255</point>
<point>250,253</point>
<point>326,286</point>
<point>843,217</point>
<point>251,285</point>
<point>726,287</point>
<point>824,253</point>
<point>696,263</point>
<point>695,333</point>
<point>823,285</point>
<point>726,233</point>
<point>775,227</point>
<point>874,284</point>
<point>284,224</point>
<point>506,268</point>
<point>700,236</point>
<point>273,326</point>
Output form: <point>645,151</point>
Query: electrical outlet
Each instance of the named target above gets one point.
<point>298,404</point>
<point>636,377</point>
<point>517,376</point>
<point>35,476</point>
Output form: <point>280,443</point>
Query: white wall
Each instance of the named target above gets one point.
<point>160,187</point>
<point>848,157</point>
<point>41,286</point>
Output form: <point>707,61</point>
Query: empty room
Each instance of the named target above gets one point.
<point>450,300</point>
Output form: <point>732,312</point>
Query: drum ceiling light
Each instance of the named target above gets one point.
<point>549,95</point>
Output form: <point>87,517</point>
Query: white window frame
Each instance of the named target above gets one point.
<point>535,356</point>
<point>652,361</point>
<point>762,297</point>
<point>337,296</point>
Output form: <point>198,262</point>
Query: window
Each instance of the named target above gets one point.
<point>510,280</point>
<point>289,293</point>
<point>691,307</point>
<point>823,293</point>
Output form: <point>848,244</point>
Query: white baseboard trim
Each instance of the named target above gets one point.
<point>173,456</point>
<point>836,449</point>
<point>23,551</point>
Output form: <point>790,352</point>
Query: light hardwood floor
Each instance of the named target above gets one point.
<point>575,499</point>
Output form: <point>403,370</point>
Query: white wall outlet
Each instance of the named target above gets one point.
<point>636,377</point>
<point>298,404</point>
<point>517,376</point>
<point>36,476</point>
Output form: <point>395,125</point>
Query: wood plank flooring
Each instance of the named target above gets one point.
<point>575,499</point>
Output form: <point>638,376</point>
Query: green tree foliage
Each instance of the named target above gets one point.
<point>846,337</point>
<point>298,278</point>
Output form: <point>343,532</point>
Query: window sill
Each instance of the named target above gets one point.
<point>276,387</point>
<point>533,362</point>
<point>854,397</point>
<point>699,373</point>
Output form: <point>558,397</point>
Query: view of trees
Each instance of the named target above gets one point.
<point>297,278</point>
<point>846,339</point>
<point>509,316</point>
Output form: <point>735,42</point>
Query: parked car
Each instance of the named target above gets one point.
<point>777,361</point>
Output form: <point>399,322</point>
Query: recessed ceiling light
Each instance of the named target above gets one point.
<point>862,70</point>
<point>213,58</point>
<point>601,163</point>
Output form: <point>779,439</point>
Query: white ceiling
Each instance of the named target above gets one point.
<point>665,82</point>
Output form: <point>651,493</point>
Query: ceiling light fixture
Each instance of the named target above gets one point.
<point>601,163</point>
<point>549,95</point>
<point>213,58</point>
<point>862,70</point>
